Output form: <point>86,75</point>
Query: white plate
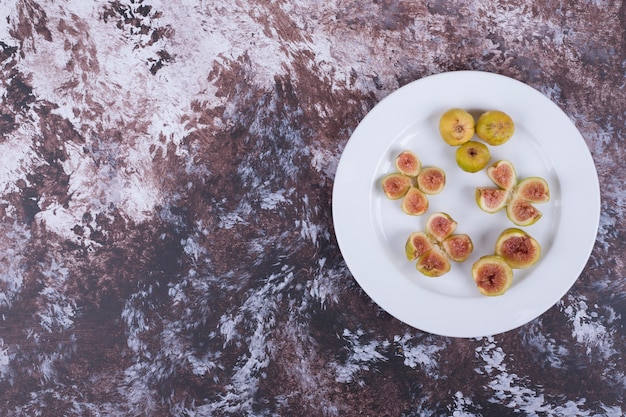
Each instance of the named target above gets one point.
<point>371,230</point>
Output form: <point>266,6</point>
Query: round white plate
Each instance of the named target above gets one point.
<point>372,230</point>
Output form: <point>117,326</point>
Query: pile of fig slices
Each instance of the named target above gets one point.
<point>518,197</point>
<point>413,183</point>
<point>433,248</point>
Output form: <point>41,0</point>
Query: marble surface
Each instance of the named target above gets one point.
<point>165,199</point>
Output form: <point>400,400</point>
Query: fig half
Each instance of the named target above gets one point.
<point>503,174</point>
<point>416,245</point>
<point>408,163</point>
<point>440,225</point>
<point>433,263</point>
<point>396,185</point>
<point>431,180</point>
<point>458,247</point>
<point>518,249</point>
<point>492,275</point>
<point>414,202</point>
<point>521,212</point>
<point>495,127</point>
<point>491,199</point>
<point>456,126</point>
<point>533,189</point>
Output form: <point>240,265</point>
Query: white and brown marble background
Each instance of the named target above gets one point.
<point>166,241</point>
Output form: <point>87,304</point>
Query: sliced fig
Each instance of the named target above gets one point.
<point>458,247</point>
<point>417,244</point>
<point>533,189</point>
<point>456,126</point>
<point>502,173</point>
<point>521,212</point>
<point>396,185</point>
<point>414,202</point>
<point>491,199</point>
<point>440,225</point>
<point>433,263</point>
<point>431,180</point>
<point>517,248</point>
<point>495,127</point>
<point>492,275</point>
<point>408,163</point>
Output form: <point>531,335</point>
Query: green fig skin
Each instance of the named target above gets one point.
<point>518,249</point>
<point>472,156</point>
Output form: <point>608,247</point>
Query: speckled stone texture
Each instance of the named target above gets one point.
<point>166,237</point>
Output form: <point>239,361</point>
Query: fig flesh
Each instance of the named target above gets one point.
<point>458,247</point>
<point>518,249</point>
<point>491,199</point>
<point>435,247</point>
<point>431,180</point>
<point>521,212</point>
<point>495,127</point>
<point>414,202</point>
<point>433,263</point>
<point>492,275</point>
<point>417,245</point>
<point>533,189</point>
<point>440,226</point>
<point>503,174</point>
<point>395,186</point>
<point>518,197</point>
<point>408,163</point>
<point>456,127</point>
<point>472,156</point>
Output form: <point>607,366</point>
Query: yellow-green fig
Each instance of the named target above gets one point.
<point>456,126</point>
<point>495,127</point>
<point>472,156</point>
